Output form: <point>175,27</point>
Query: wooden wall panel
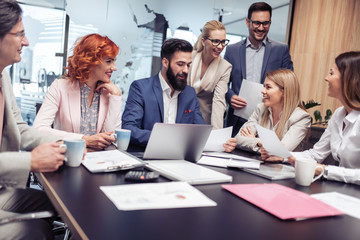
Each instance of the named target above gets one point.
<point>322,29</point>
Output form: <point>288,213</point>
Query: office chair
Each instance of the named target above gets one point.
<point>59,227</point>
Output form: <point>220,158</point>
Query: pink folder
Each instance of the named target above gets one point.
<point>281,201</point>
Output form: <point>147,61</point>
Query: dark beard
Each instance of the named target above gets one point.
<point>175,82</point>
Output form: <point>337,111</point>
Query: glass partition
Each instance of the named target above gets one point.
<point>39,64</point>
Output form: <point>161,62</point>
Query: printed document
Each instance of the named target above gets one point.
<point>251,92</point>
<point>345,203</point>
<point>217,138</point>
<point>156,196</point>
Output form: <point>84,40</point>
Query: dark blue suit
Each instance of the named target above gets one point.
<point>144,107</point>
<point>276,56</point>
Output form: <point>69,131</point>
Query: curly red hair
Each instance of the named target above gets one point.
<point>87,53</point>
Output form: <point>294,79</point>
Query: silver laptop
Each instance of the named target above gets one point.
<point>273,171</point>
<point>176,148</point>
<point>177,141</point>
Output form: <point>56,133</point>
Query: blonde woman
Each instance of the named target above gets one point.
<point>209,73</point>
<point>280,111</point>
<point>341,137</point>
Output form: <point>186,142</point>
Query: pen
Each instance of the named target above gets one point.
<point>122,167</point>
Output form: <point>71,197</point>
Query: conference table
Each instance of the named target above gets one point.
<point>89,214</point>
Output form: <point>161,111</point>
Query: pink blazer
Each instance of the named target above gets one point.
<point>61,107</point>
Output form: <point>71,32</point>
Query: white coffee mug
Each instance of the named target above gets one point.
<point>122,137</point>
<point>74,151</point>
<point>305,170</point>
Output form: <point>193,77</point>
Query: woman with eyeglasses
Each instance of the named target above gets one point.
<point>341,138</point>
<point>280,111</point>
<point>85,103</point>
<point>209,73</point>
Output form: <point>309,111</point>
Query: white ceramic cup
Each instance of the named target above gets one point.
<point>122,138</point>
<point>305,171</point>
<point>74,151</point>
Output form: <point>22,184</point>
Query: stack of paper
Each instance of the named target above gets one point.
<point>221,159</point>
<point>224,162</point>
<point>283,202</point>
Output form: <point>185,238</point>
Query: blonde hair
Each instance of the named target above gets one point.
<point>289,85</point>
<point>205,33</point>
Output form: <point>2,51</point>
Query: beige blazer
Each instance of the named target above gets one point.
<point>61,107</point>
<point>295,129</point>
<point>16,135</point>
<point>212,90</point>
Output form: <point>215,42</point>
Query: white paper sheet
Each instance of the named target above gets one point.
<point>271,142</point>
<point>224,163</point>
<point>217,138</point>
<point>345,203</point>
<point>156,196</point>
<point>251,91</point>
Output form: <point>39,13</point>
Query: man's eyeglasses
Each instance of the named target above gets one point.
<point>257,24</point>
<point>18,34</point>
<point>216,42</point>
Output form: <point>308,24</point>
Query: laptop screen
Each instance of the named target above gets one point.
<point>177,141</point>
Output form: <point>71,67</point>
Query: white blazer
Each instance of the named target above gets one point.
<point>212,90</point>
<point>295,129</point>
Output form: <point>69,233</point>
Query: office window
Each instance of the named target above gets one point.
<point>39,65</point>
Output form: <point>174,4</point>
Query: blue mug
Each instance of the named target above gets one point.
<point>122,137</point>
<point>74,151</point>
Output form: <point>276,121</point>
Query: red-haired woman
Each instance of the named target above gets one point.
<point>84,103</point>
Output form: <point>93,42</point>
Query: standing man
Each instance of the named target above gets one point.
<point>164,97</point>
<point>252,58</point>
<point>16,135</point>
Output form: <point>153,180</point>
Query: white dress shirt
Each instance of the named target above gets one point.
<point>342,143</point>
<point>170,102</point>
<point>254,60</point>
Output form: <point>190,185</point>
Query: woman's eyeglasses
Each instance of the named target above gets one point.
<point>216,42</point>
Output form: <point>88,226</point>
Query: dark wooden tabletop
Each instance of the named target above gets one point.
<point>91,215</point>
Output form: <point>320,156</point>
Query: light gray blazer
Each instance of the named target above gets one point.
<point>212,90</point>
<point>295,130</point>
<point>16,135</point>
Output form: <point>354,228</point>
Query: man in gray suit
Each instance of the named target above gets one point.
<point>252,58</point>
<point>39,153</point>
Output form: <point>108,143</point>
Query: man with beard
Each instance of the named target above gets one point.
<point>164,97</point>
<point>252,58</point>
